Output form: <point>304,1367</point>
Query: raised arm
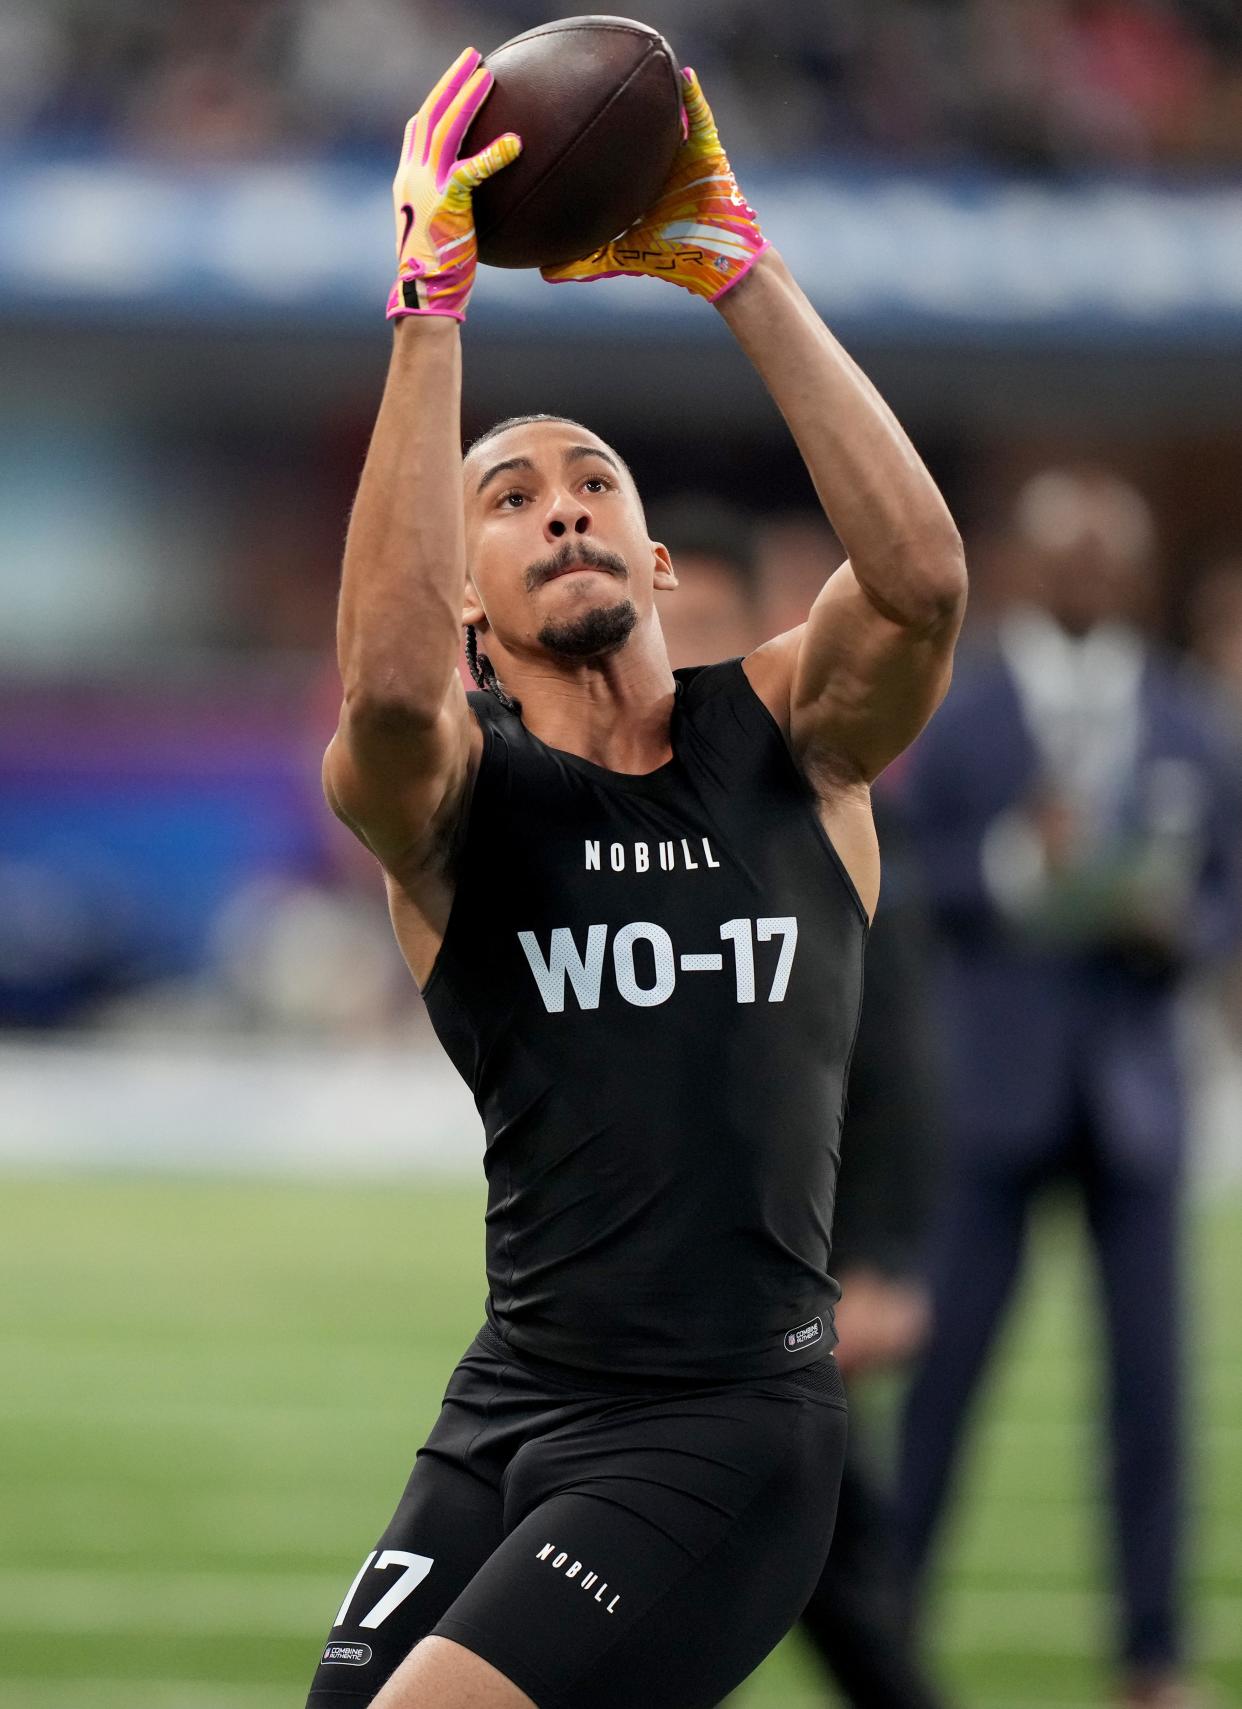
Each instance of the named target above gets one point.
<point>873,660</point>
<point>861,678</point>
<point>397,766</point>
<point>397,769</point>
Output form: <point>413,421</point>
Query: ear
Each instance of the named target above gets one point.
<point>472,607</point>
<point>665,578</point>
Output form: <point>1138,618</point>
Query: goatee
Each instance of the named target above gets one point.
<point>601,630</point>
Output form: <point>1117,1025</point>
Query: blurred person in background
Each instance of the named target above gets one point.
<point>794,553</point>
<point>716,612</point>
<point>889,1144</point>
<point>1076,809</point>
<point>890,1155</point>
<point>1214,638</point>
<point>1214,628</point>
<point>1040,87</point>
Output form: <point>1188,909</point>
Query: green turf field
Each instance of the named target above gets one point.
<point>212,1393</point>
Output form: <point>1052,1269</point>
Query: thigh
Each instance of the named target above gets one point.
<point>658,1552</point>
<point>447,1524</point>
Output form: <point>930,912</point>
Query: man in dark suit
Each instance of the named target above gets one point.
<point>856,1618</point>
<point>1077,816</point>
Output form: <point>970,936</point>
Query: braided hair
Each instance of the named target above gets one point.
<point>484,672</point>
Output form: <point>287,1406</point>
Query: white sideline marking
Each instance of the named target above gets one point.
<point>152,1412</point>
<point>1005,1435</point>
<point>113,1599</point>
<point>226,1107</point>
<point>116,1600</point>
<point>318,1109</point>
<point>1030,1621</point>
<point>207,1694</point>
<point>747,1695</point>
<point>139,1694</point>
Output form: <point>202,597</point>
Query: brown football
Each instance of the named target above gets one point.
<point>597,104</point>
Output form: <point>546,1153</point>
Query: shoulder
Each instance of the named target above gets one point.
<point>697,683</point>
<point>486,709</point>
<point>493,727</point>
<point>720,708</point>
<point>743,691</point>
<point>770,673</point>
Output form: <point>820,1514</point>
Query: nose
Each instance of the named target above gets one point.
<point>566,515</point>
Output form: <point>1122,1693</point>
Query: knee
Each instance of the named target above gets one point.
<point>441,1674</point>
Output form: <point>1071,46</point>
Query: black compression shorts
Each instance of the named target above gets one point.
<point>640,1545</point>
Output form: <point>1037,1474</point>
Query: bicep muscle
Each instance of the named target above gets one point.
<point>400,783</point>
<point>864,681</point>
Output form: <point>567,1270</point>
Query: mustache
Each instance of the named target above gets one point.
<point>571,552</point>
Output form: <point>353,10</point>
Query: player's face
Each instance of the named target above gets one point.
<point>556,542</point>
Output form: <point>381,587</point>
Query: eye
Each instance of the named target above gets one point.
<point>598,481</point>
<point>512,500</point>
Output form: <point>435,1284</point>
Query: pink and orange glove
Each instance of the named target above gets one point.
<point>437,254</point>
<point>700,233</point>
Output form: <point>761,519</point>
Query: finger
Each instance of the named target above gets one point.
<point>451,80</point>
<point>408,141</point>
<point>492,159</point>
<point>445,92</point>
<point>601,265</point>
<point>698,113</point>
<point>457,119</point>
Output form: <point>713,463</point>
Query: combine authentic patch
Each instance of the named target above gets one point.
<point>806,1335</point>
<point>352,1655</point>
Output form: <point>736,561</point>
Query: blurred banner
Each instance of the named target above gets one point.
<point>885,254</point>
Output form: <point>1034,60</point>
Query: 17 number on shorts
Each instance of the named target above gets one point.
<point>416,1569</point>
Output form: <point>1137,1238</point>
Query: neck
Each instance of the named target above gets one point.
<point>615,711</point>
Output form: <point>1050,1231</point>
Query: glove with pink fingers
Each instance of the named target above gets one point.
<point>700,233</point>
<point>437,253</point>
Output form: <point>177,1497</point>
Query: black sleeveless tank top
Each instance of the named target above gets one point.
<point>651,984</point>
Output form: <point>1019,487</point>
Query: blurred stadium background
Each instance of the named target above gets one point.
<point>1025,219</point>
